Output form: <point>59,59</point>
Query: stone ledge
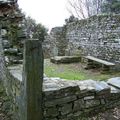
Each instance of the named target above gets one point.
<point>65,59</point>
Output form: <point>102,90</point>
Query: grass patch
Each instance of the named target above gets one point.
<point>63,73</point>
<point>74,71</point>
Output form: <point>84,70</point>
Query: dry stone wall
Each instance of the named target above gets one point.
<point>98,36</point>
<point>74,100</point>
<point>56,42</point>
<point>11,84</point>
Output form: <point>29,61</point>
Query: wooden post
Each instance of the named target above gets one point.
<point>33,80</point>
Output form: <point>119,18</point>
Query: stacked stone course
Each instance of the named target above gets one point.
<point>77,99</point>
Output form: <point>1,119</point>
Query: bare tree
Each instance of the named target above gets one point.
<point>84,8</point>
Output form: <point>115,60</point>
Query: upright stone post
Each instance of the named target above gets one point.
<point>33,80</point>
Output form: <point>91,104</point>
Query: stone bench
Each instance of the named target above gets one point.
<point>96,62</point>
<point>65,59</point>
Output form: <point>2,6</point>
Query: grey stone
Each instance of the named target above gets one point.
<point>89,98</point>
<point>114,82</point>
<point>78,105</point>
<point>60,101</point>
<point>91,103</point>
<point>65,109</point>
<point>51,112</point>
<point>11,51</point>
<point>16,71</point>
<point>77,114</point>
<point>114,90</point>
<point>95,86</point>
<point>65,59</point>
<point>102,101</point>
<point>60,93</point>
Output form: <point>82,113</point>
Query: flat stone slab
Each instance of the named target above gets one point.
<point>97,86</point>
<point>52,84</point>
<point>16,71</point>
<point>86,85</point>
<point>65,59</point>
<point>114,82</point>
<point>100,61</point>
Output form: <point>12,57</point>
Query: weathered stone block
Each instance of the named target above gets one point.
<point>92,103</point>
<point>60,93</point>
<point>89,98</point>
<point>86,94</point>
<point>102,101</point>
<point>77,114</point>
<point>78,105</point>
<point>65,59</point>
<point>51,112</point>
<point>60,101</point>
<point>65,109</point>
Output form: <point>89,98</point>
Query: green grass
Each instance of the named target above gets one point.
<point>65,73</point>
<point>74,71</point>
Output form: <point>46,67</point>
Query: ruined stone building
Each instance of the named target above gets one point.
<point>98,36</point>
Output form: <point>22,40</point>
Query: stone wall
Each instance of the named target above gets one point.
<point>56,41</point>
<point>98,36</point>
<point>11,84</point>
<point>72,100</point>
